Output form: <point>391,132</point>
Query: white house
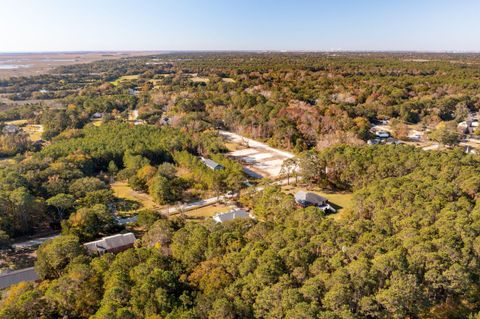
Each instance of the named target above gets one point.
<point>383,134</point>
<point>231,215</point>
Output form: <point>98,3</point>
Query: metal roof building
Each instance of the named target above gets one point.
<point>211,164</point>
<point>231,215</point>
<point>111,244</point>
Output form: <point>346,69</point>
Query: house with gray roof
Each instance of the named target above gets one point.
<point>111,244</point>
<point>306,199</point>
<point>231,215</point>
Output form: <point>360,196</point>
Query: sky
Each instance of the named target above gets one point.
<point>292,25</point>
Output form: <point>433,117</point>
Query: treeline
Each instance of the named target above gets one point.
<point>409,248</point>
<point>299,101</point>
<point>100,145</point>
<point>67,182</point>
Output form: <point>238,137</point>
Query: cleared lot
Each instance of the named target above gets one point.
<point>256,156</point>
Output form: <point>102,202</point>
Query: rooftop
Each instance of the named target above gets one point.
<point>231,215</point>
<point>110,243</point>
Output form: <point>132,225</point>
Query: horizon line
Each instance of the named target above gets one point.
<point>245,51</point>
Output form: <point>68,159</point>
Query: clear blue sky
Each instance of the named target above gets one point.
<point>72,25</point>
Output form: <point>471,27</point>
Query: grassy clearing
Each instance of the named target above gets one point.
<point>228,80</point>
<point>207,211</point>
<point>232,147</point>
<point>17,122</point>
<point>341,201</point>
<point>122,190</point>
<point>4,162</point>
<point>34,132</point>
<point>200,79</point>
<point>125,78</point>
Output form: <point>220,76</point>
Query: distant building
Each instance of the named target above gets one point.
<point>231,215</point>
<point>382,134</point>
<point>211,164</point>
<point>468,126</point>
<point>111,244</point>
<point>306,199</point>
<point>139,122</point>
<point>14,277</point>
<point>133,92</point>
<point>10,129</point>
<point>96,116</point>
<point>470,150</point>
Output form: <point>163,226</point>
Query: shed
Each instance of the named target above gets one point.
<point>211,164</point>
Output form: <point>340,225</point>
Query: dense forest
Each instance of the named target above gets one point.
<point>407,247</point>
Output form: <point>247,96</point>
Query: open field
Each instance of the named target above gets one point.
<point>4,162</point>
<point>122,190</point>
<point>34,132</point>
<point>17,122</point>
<point>200,79</point>
<point>207,211</point>
<point>26,64</point>
<point>125,78</point>
<point>341,201</point>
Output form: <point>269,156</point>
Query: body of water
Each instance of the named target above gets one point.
<point>13,66</point>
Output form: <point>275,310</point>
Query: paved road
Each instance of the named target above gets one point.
<point>32,242</point>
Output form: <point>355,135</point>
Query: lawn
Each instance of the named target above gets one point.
<point>232,147</point>
<point>4,162</point>
<point>208,211</point>
<point>125,78</point>
<point>200,79</point>
<point>228,80</point>
<point>17,122</point>
<point>341,201</point>
<point>122,190</point>
<point>34,132</point>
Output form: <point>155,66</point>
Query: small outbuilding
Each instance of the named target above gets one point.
<point>211,164</point>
